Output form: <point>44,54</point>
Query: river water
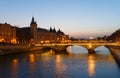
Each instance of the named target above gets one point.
<point>48,64</point>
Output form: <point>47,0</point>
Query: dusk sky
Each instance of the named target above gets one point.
<point>78,18</point>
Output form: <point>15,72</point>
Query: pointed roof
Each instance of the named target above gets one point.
<point>60,32</point>
<point>51,29</point>
<point>54,30</point>
<point>33,21</point>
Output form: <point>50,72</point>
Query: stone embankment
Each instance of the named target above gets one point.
<point>16,48</point>
<point>13,48</point>
<point>115,51</point>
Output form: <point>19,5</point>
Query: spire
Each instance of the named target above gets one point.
<point>59,31</point>
<point>33,21</point>
<point>51,29</point>
<point>54,30</point>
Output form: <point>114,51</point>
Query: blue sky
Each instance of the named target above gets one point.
<point>78,18</point>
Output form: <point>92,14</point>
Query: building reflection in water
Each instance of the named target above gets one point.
<point>58,59</point>
<point>32,65</point>
<point>15,68</point>
<point>91,65</point>
<point>52,52</point>
<point>32,58</point>
<point>60,67</point>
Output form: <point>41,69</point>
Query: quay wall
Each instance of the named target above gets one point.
<point>115,51</point>
<point>16,48</point>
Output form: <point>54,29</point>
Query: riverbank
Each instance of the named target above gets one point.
<point>115,51</point>
<point>13,48</point>
<point>16,48</point>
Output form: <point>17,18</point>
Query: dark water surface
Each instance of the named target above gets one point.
<point>46,64</point>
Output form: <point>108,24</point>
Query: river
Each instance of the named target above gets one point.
<point>77,63</point>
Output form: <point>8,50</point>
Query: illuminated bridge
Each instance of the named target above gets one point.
<point>90,46</point>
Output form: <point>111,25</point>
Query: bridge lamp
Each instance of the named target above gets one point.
<point>90,46</point>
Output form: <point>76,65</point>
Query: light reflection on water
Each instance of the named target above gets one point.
<point>15,67</point>
<point>32,58</point>
<point>48,64</point>
<point>91,65</point>
<point>60,67</point>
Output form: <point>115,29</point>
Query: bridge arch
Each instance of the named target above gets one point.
<point>89,49</point>
<point>104,49</point>
<point>77,49</point>
<point>90,46</point>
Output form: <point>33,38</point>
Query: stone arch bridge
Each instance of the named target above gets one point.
<point>89,46</point>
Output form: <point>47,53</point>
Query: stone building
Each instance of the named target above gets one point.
<point>7,33</point>
<point>34,32</point>
<point>41,35</point>
<point>34,35</point>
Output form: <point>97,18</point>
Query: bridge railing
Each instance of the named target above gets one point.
<point>63,44</point>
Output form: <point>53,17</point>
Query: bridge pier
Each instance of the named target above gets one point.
<point>91,51</point>
<point>90,48</point>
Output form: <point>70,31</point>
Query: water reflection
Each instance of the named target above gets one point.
<point>32,58</point>
<point>48,64</point>
<point>52,51</point>
<point>15,61</point>
<point>58,59</point>
<point>60,67</point>
<point>110,57</point>
<point>91,65</point>
<point>32,65</point>
<point>102,50</point>
<point>15,68</point>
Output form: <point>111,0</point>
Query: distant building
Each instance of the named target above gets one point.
<point>7,33</point>
<point>34,35</point>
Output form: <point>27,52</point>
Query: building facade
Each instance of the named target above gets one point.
<point>41,35</point>
<point>31,34</point>
<point>7,33</point>
<point>34,32</point>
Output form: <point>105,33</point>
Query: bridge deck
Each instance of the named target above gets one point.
<point>79,44</point>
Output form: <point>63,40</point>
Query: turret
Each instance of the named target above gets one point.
<point>51,29</point>
<point>54,30</point>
